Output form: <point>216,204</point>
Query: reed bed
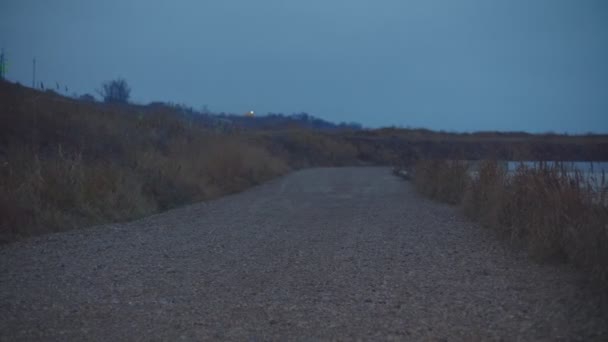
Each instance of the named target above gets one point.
<point>559,212</point>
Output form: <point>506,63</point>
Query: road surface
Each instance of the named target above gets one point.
<point>321,254</point>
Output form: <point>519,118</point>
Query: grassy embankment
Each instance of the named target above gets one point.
<point>560,214</point>
<point>66,163</point>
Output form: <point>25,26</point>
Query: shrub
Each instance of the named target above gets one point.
<point>87,98</point>
<point>115,91</point>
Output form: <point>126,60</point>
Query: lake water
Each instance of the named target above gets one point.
<point>583,166</point>
<point>595,173</point>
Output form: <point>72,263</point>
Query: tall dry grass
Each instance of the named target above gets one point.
<point>61,191</point>
<point>66,164</point>
<point>560,213</point>
<point>444,180</point>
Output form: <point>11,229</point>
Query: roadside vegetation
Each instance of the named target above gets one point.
<point>66,163</point>
<point>75,162</point>
<point>559,213</point>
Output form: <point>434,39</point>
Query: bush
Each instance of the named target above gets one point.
<point>115,91</point>
<point>87,98</point>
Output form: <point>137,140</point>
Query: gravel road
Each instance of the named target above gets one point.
<point>321,254</point>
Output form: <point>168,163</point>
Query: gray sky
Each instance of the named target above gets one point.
<point>533,65</point>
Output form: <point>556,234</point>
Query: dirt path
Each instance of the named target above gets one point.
<point>338,253</point>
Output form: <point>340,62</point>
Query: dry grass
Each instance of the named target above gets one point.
<point>62,191</point>
<point>67,164</point>
<point>412,144</point>
<point>560,214</point>
<point>305,148</point>
<point>444,180</point>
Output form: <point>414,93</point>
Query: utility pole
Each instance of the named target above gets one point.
<point>34,73</point>
<point>2,65</point>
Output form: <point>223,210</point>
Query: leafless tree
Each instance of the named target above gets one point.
<point>115,91</point>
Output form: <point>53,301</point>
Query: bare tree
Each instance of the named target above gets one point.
<point>115,91</point>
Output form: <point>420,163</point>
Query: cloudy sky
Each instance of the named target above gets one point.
<point>533,65</point>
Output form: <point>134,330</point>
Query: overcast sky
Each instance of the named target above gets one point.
<point>533,65</point>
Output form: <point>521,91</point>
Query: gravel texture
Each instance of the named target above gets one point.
<point>321,254</point>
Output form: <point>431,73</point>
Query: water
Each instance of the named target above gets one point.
<point>582,166</point>
<point>595,174</point>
